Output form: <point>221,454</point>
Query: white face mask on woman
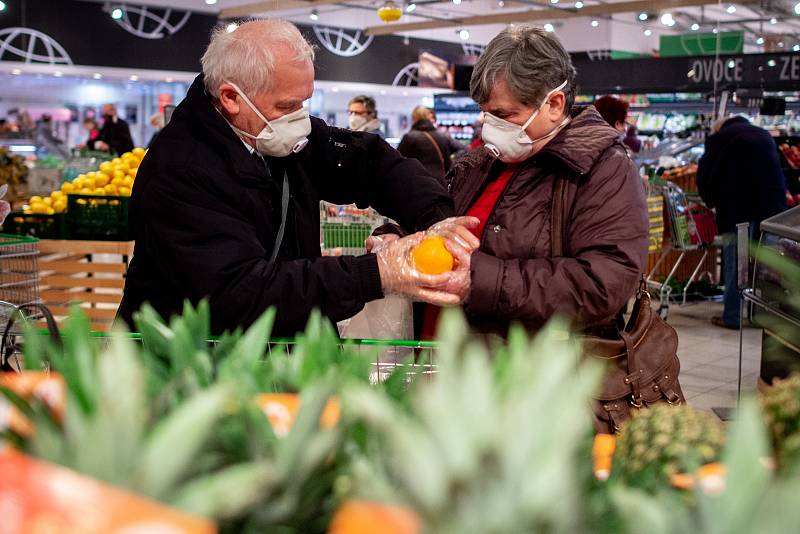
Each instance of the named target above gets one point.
<point>508,141</point>
<point>283,136</point>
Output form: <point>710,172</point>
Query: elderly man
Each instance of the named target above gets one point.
<point>115,135</point>
<point>226,202</point>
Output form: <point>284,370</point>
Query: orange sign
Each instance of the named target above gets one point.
<point>281,410</point>
<point>47,387</point>
<point>39,497</point>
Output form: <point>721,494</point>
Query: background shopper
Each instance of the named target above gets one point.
<point>615,113</point>
<point>363,115</point>
<point>740,176</point>
<point>434,149</point>
<point>115,135</point>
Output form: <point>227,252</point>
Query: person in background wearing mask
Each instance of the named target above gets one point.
<point>535,140</point>
<point>157,122</point>
<point>226,201</point>
<point>434,149</point>
<point>363,115</point>
<point>115,135</point>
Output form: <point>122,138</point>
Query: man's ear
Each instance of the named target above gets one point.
<point>229,99</point>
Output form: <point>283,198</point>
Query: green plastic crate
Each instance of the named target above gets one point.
<point>344,235</point>
<point>98,218</point>
<point>36,225</point>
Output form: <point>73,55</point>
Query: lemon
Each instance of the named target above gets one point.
<point>117,181</point>
<point>50,211</point>
<point>85,191</point>
<point>123,166</point>
<point>48,201</point>
<point>126,155</point>
<point>431,256</point>
<point>102,180</point>
<point>106,166</point>
<point>55,195</point>
<point>39,207</point>
<point>99,191</point>
<point>138,152</point>
<point>116,161</point>
<point>110,189</point>
<point>67,187</point>
<point>124,191</point>
<point>133,172</point>
<point>119,174</point>
<point>35,199</point>
<point>127,182</point>
<point>60,205</point>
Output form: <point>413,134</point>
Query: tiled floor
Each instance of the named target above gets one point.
<point>710,356</point>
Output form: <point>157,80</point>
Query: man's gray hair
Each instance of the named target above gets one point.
<point>245,56</point>
<point>532,62</point>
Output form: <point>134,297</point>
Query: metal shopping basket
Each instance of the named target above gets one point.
<point>19,273</point>
<point>691,227</point>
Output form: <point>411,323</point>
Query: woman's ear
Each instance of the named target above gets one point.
<point>558,103</point>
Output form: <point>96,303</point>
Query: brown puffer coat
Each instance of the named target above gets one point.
<point>514,277</point>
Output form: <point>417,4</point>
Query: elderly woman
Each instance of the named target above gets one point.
<point>545,159</point>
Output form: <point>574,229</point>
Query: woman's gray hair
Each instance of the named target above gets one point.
<point>532,62</point>
<point>246,57</point>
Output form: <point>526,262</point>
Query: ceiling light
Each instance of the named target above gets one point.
<point>383,91</point>
<point>648,32</point>
<point>667,20</point>
<point>695,27</point>
<point>731,64</point>
<point>595,24</point>
<point>211,2</point>
<point>553,1</point>
<point>169,80</point>
<point>578,4</point>
<point>335,89</point>
<point>771,63</point>
<point>549,27</point>
<point>2,5</point>
<point>16,72</point>
<point>731,9</point>
<point>501,3</point>
<point>411,7</point>
<point>405,93</point>
<point>760,41</point>
<point>314,15</point>
<point>797,8</point>
<point>457,2</point>
<point>715,31</point>
<point>780,44</point>
<point>116,13</point>
<point>58,74</point>
<point>773,20</point>
<point>643,16</point>
<point>231,27</point>
<point>796,48</point>
<point>97,75</point>
<point>133,78</point>
<point>463,34</point>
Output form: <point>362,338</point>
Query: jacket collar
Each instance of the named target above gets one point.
<point>423,125</point>
<point>582,141</point>
<point>198,109</point>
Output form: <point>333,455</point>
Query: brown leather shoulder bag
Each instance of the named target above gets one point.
<point>642,365</point>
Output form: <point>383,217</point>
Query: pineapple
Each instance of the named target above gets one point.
<point>489,445</point>
<point>781,407</point>
<point>663,441</point>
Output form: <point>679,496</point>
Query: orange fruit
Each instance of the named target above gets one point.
<point>364,517</point>
<point>431,256</point>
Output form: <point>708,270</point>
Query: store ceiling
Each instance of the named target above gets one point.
<point>443,19</point>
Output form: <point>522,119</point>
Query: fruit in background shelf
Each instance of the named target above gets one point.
<point>430,256</point>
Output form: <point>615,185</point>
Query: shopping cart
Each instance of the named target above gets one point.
<point>19,272</point>
<point>691,227</point>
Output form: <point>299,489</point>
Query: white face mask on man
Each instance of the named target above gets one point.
<point>356,121</point>
<point>283,136</point>
<point>508,141</point>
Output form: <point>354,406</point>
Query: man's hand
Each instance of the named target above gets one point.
<point>375,242</point>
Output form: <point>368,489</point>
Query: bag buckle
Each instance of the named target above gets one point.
<point>673,399</point>
<point>636,402</point>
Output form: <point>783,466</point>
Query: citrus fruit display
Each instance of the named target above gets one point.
<point>432,257</point>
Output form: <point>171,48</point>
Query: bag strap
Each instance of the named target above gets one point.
<point>436,146</point>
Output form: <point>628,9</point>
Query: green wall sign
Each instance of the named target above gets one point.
<point>701,44</point>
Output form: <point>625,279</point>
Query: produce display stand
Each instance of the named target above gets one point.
<point>691,229</point>
<point>89,273</point>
